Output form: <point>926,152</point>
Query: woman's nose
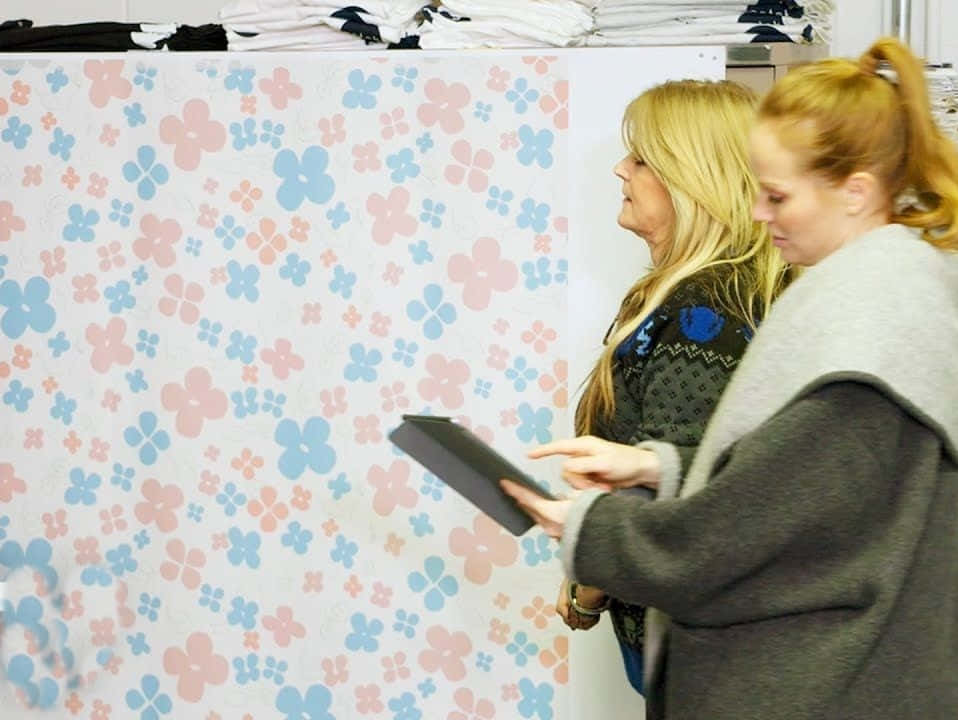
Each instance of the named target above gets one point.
<point>619,170</point>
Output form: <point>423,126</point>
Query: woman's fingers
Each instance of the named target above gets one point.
<point>549,514</point>
<point>570,446</point>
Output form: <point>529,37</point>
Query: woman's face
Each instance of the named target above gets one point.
<point>646,206</point>
<point>804,213</point>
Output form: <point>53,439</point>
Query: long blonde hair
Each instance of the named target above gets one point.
<point>841,116</point>
<point>693,135</point>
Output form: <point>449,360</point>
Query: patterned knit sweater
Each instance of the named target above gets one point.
<point>667,379</point>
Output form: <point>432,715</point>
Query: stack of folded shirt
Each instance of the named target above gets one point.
<point>718,22</point>
<point>506,24</point>
<point>318,24</point>
<point>22,36</point>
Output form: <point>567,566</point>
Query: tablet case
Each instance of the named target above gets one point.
<point>466,464</point>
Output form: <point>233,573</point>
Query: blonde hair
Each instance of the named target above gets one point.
<point>693,135</point>
<point>841,116</point>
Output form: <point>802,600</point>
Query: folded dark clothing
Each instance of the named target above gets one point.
<point>198,37</point>
<point>67,38</point>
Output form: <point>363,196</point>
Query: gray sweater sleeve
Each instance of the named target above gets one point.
<point>786,514</point>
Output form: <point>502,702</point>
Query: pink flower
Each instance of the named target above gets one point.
<point>282,358</point>
<point>196,667</point>
<point>539,336</point>
<point>283,627</point>
<point>9,222</point>
<point>334,402</point>
<point>102,632</point>
<point>508,140</point>
<point>124,614</point>
<point>269,242</point>
<point>182,564</point>
<point>392,487</point>
<point>352,317</point>
<point>246,195</point>
<point>87,550</point>
<point>33,438</point>
<point>367,157</point>
<point>446,652</point>
<point>560,398</point>
<point>475,165</point>
<point>367,699</point>
<point>393,396</point>
<point>110,256</point>
<point>445,382</point>
<point>471,709</point>
<point>484,272</point>
<point>53,263</point>
<point>333,131</point>
<point>391,273</point>
<point>157,240</point>
<point>70,178</point>
<point>313,582</point>
<point>267,506</point>
<point>161,502</point>
<point>380,324</point>
<point>445,102</point>
<point>49,120</point>
<point>110,400</point>
<point>207,216</point>
<point>299,229</point>
<point>539,612</point>
<point>497,357</point>
<point>395,667</point>
<point>10,483</point>
<point>559,658</point>
<point>112,519</point>
<point>189,295</point>
<point>391,216</point>
<point>558,104</point>
<point>498,79</point>
<point>85,288</point>
<point>194,401</point>
<point>32,175</point>
<point>367,429</point>
<point>108,347</point>
<point>248,104</point>
<point>98,185</point>
<point>381,595</point>
<point>353,587</point>
<point>72,605</point>
<point>280,88</point>
<point>109,135</point>
<point>336,671</point>
<point>393,123</point>
<point>106,81</point>
<point>55,524</point>
<point>488,545</point>
<point>539,64</point>
<point>193,134</point>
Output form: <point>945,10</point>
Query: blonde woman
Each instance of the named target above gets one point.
<point>810,565</point>
<point>682,328</point>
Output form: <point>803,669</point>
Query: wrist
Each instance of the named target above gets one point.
<point>595,605</point>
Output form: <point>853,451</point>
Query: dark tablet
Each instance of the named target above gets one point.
<point>466,464</point>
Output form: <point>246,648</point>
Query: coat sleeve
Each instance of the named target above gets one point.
<point>798,498</point>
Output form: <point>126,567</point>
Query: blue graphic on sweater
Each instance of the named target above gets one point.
<point>700,324</point>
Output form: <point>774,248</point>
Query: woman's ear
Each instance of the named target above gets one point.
<point>861,193</point>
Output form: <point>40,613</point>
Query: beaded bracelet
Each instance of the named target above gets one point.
<point>592,612</point>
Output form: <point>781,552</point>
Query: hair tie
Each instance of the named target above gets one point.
<point>868,65</point>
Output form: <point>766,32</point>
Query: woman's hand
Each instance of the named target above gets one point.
<point>587,597</point>
<point>597,463</point>
<point>549,514</point>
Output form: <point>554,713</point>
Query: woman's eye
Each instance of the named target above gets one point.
<point>776,199</point>
<point>638,160</point>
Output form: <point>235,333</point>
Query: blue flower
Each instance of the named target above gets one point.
<point>240,79</point>
<point>306,447</point>
<point>536,147</point>
<point>535,215</point>
<point>484,661</point>
<point>405,707</point>
<point>538,550</point>
<point>122,476</point>
<point>482,387</point>
<point>562,269</point>
<point>4,524</point>
<point>245,402</point>
<point>420,252</point>
<point>424,142</point>
<point>62,144</point>
<point>230,498</point>
<point>295,270</point>
<point>229,232</point>
<point>402,165</point>
<point>241,347</point>
<point>313,706</point>
<point>499,200</point>
<point>142,539</point>
<point>536,699</point>
<point>134,114</point>
<point>363,363</point>
<point>28,613</point>
<point>119,297</point>
<point>405,353</point>
<point>406,623</point>
<point>120,212</point>
<point>482,111</point>
<point>522,648</point>
<point>138,644</point>
<point>243,548</point>
<point>18,396</point>
<point>26,308</point>
<point>243,135</point>
<point>57,80</point>
<point>427,687</point>
<point>432,486</point>
<point>342,282</point>
<point>362,90</point>
<point>440,586</point>
<point>82,488</point>
<point>338,216</point>
<point>436,312</point>
<point>3,263</point>
<point>58,344</point>
<point>16,132</point>
<point>339,486</point>
<point>147,171</point>
<point>303,179</point>
<point>537,274</point>
<point>96,575</point>
<point>274,670</point>
<point>273,403</point>
<point>404,78</point>
<point>209,332</point>
<point>193,246</point>
<point>147,433</point>
<point>153,702</point>
<point>521,95</point>
<point>195,512</point>
<point>344,552</point>
<point>81,224</point>
<point>243,613</point>
<point>121,560</point>
<point>272,134</point>
<point>63,408</point>
<point>144,76</point>
<point>211,597</point>
<point>41,694</point>
<point>297,538</point>
<point>247,670</point>
<point>432,212</point>
<point>364,633</point>
<point>36,557</point>
<point>140,275</point>
<point>149,606</point>
<point>535,424</point>
<point>421,525</point>
<point>520,374</point>
<point>136,381</point>
<point>242,281</point>
<point>147,342</point>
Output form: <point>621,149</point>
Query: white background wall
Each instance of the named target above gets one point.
<point>857,22</point>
